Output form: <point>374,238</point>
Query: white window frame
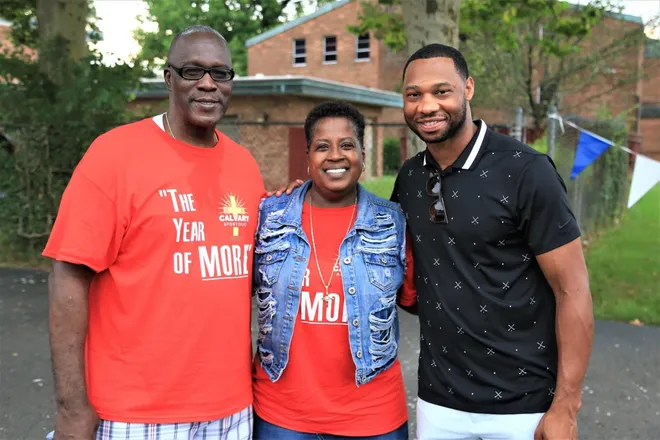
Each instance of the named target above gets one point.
<point>294,54</point>
<point>358,50</point>
<point>326,52</point>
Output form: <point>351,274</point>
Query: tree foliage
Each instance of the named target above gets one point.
<point>385,20</point>
<point>23,16</point>
<point>48,121</point>
<point>526,52</point>
<point>236,20</point>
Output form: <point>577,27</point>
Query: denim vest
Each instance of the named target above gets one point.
<point>372,260</point>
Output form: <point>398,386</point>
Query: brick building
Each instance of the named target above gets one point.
<point>618,86</point>
<point>319,45</point>
<point>650,111</point>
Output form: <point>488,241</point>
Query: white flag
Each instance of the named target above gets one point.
<point>646,175</point>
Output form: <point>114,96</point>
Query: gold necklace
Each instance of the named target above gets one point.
<point>169,128</point>
<point>327,298</point>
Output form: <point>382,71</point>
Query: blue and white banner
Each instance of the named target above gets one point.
<point>646,175</point>
<point>590,146</point>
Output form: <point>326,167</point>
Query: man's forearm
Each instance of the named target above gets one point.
<point>68,319</point>
<point>574,328</point>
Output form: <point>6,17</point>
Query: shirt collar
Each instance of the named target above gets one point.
<point>468,158</point>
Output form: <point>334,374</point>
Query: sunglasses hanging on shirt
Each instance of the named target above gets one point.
<point>437,211</point>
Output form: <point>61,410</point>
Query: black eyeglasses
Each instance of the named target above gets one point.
<point>195,73</point>
<point>437,210</point>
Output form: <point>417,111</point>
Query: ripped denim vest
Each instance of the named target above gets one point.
<point>372,260</point>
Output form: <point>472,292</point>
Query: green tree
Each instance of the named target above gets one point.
<point>51,109</point>
<point>236,20</point>
<point>22,15</point>
<point>34,21</point>
<point>528,52</point>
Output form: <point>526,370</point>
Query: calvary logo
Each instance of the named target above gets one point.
<point>233,213</point>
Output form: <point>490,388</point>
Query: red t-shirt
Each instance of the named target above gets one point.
<point>317,391</point>
<point>169,228</point>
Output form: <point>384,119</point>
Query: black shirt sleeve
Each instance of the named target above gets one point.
<point>395,191</point>
<point>545,216</point>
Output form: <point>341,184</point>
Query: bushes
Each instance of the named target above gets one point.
<point>50,125</point>
<point>391,155</point>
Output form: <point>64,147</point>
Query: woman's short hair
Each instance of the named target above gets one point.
<point>335,109</point>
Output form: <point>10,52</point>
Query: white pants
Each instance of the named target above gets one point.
<point>439,423</point>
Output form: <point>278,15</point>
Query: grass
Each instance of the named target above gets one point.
<point>624,265</point>
<point>623,261</point>
<point>381,186</point>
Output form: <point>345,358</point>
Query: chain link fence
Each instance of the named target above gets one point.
<point>598,194</point>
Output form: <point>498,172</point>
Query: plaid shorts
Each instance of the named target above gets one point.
<point>235,427</point>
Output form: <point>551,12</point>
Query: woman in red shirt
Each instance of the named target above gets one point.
<point>330,258</point>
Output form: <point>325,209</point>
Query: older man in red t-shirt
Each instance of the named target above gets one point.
<point>150,291</point>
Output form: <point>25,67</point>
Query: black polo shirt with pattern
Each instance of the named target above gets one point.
<point>486,311</point>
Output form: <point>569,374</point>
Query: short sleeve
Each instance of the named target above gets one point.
<point>545,216</point>
<point>89,225</point>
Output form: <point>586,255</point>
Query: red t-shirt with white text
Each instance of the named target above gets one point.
<point>169,228</point>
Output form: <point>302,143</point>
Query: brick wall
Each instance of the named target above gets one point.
<point>274,56</point>
<point>394,116</point>
<point>651,81</point>
<point>623,67</point>
<point>494,116</point>
<point>650,129</point>
<point>391,68</point>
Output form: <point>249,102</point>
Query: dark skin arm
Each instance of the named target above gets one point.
<point>566,272</point>
<point>68,291</point>
<point>286,189</point>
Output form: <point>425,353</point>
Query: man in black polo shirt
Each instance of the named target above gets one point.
<point>498,268</point>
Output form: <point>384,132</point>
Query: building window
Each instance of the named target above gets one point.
<point>362,48</point>
<point>330,50</point>
<point>299,54</point>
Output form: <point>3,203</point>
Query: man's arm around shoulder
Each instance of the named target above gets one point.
<point>68,292</point>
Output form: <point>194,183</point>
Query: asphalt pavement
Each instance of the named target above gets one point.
<point>621,393</point>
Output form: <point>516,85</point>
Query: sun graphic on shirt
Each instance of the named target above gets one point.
<point>233,213</point>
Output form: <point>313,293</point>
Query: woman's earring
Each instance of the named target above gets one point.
<point>363,166</point>
<point>307,170</point>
